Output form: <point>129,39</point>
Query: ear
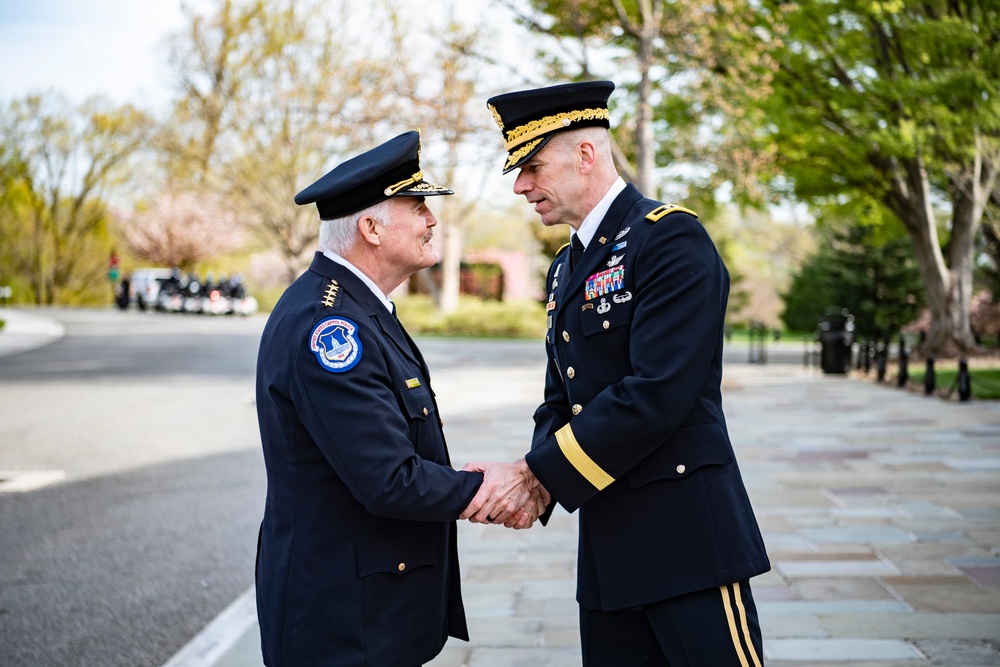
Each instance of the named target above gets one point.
<point>586,155</point>
<point>368,229</point>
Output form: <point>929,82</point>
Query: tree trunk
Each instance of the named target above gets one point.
<point>451,261</point>
<point>948,289</point>
<point>644,149</point>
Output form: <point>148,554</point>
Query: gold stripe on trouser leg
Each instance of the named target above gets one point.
<point>743,621</point>
<point>732,626</point>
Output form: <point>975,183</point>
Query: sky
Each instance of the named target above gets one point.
<point>112,47</point>
<point>87,47</point>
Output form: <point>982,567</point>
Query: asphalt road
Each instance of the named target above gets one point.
<point>146,424</point>
<point>152,531</point>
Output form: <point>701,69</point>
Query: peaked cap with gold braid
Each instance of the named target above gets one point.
<point>529,118</point>
<point>389,170</point>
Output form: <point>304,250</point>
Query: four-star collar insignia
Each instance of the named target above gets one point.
<point>332,292</point>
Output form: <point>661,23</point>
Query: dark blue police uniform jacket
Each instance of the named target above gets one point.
<point>631,431</point>
<point>358,562</point>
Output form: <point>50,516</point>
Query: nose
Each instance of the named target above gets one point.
<point>522,183</point>
<point>431,220</point>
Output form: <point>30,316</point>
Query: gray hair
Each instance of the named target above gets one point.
<point>338,235</point>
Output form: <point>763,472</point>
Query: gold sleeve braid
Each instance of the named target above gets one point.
<point>578,459</point>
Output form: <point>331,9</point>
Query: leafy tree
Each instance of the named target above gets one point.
<point>861,268</point>
<point>896,105</point>
<point>448,107</point>
<point>63,163</point>
<point>887,103</point>
<point>269,95</point>
<point>182,230</point>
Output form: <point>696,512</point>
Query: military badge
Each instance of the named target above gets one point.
<point>619,246</point>
<point>622,233</point>
<point>335,344</point>
<point>622,298</point>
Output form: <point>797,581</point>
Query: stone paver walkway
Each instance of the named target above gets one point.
<point>880,510</point>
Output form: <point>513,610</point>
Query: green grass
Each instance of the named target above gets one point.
<point>985,381</point>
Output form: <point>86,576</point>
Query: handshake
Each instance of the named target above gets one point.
<point>510,495</point>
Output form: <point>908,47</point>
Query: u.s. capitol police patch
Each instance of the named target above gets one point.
<point>335,343</point>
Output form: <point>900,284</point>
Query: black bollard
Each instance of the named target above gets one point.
<point>964,381</point>
<point>869,350</point>
<point>880,361</point>
<point>904,359</point>
<point>930,380</point>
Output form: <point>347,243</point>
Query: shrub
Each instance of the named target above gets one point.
<point>474,318</point>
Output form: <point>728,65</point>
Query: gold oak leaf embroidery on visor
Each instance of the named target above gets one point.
<point>521,152</point>
<point>537,128</point>
<point>578,459</point>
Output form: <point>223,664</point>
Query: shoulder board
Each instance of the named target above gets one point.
<point>667,209</point>
<point>329,299</point>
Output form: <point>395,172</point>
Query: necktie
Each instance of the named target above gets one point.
<point>576,251</point>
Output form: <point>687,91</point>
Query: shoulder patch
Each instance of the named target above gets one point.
<point>332,292</point>
<point>667,209</point>
<point>336,345</point>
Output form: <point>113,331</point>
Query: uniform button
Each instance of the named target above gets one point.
<point>401,567</point>
<point>681,469</point>
<point>424,411</point>
<point>566,336</point>
<point>577,408</point>
<point>607,325</point>
<point>570,373</point>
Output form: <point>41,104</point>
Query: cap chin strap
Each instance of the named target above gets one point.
<point>393,189</point>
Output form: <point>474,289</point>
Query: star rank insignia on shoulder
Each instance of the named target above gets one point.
<point>667,209</point>
<point>329,299</point>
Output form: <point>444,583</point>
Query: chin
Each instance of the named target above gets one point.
<point>432,257</point>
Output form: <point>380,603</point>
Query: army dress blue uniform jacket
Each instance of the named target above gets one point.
<point>631,431</point>
<point>358,561</point>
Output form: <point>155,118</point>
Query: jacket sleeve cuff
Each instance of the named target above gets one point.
<point>565,469</point>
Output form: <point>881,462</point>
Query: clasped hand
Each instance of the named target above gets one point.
<point>510,495</point>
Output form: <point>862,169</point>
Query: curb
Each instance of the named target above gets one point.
<point>24,331</point>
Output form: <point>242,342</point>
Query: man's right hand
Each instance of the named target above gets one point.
<point>505,490</point>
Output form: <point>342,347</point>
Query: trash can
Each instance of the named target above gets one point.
<point>836,336</point>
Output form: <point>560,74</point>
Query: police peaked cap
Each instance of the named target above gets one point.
<point>389,170</point>
<point>529,118</point>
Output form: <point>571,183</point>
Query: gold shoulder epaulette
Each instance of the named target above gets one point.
<point>667,209</point>
<point>332,292</point>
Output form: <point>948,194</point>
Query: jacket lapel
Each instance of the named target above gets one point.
<point>368,302</point>
<point>594,258</point>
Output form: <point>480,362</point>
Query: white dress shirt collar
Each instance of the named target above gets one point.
<point>365,279</point>
<point>593,220</point>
